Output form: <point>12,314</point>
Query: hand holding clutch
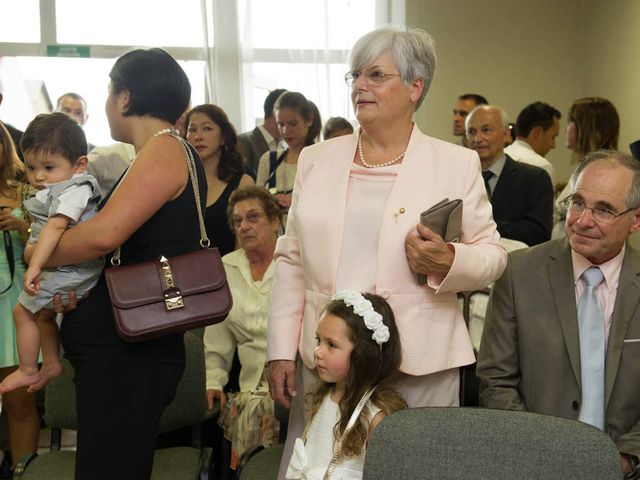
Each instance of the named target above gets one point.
<point>445,219</point>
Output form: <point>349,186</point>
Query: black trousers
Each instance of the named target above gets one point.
<point>121,391</point>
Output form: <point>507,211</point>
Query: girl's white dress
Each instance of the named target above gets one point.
<point>310,460</point>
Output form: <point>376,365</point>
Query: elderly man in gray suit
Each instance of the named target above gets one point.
<point>562,335</point>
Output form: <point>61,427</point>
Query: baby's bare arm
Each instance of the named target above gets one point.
<point>48,239</point>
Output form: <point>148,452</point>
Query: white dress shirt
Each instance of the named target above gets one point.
<point>521,151</point>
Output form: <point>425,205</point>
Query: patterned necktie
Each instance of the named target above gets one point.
<point>591,330</point>
<point>487,174</point>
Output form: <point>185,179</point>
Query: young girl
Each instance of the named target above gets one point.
<point>55,151</point>
<point>357,356</point>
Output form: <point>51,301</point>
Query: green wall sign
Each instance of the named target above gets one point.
<point>75,51</point>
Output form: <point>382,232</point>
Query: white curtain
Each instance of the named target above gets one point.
<point>254,46</point>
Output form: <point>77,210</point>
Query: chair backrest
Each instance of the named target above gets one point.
<point>474,306</point>
<point>452,443</point>
<point>188,408</point>
<point>282,415</point>
<point>60,400</point>
<point>466,300</point>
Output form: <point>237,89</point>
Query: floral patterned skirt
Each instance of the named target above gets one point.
<point>248,421</point>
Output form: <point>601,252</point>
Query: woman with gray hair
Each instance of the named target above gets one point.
<point>353,224</point>
<point>247,419</point>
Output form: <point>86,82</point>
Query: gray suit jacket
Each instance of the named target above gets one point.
<point>252,145</point>
<point>530,353</point>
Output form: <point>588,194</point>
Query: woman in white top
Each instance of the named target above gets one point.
<point>255,216</point>
<point>299,123</point>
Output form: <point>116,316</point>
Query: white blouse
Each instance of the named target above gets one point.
<point>244,327</point>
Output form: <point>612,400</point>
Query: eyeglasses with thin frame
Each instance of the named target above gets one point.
<point>251,217</point>
<point>485,131</point>
<point>373,77</point>
<point>577,207</point>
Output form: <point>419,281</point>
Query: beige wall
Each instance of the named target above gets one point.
<point>611,44</point>
<point>517,52</point>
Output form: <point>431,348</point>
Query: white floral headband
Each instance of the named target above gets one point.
<point>363,307</point>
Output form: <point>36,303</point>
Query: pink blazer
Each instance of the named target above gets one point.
<point>431,326</point>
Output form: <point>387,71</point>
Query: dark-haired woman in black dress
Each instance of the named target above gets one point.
<point>214,138</point>
<point>123,388</point>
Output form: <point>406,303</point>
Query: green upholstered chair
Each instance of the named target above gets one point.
<point>262,463</point>
<point>188,409</point>
<point>445,443</point>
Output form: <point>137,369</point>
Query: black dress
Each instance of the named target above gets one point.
<point>123,388</point>
<point>216,223</point>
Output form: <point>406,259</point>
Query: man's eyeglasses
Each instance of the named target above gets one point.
<point>577,207</point>
<point>485,131</point>
<point>372,77</point>
<point>251,217</point>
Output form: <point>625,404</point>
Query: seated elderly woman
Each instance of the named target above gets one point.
<point>247,418</point>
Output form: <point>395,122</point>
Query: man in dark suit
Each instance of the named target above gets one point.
<point>521,194</point>
<point>538,351</point>
<point>263,138</point>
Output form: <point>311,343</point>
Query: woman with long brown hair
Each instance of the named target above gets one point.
<point>214,138</point>
<point>299,123</point>
<point>20,406</point>
<point>592,124</point>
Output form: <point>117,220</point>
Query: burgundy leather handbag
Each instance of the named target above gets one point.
<point>170,295</point>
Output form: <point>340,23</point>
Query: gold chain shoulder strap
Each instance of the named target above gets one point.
<point>191,164</point>
<point>193,177</point>
<point>337,456</point>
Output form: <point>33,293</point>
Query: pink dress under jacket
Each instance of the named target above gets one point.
<point>431,326</point>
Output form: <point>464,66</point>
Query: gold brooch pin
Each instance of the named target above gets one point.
<point>398,213</point>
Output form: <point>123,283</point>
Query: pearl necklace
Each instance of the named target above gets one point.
<point>166,131</point>
<point>385,164</point>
